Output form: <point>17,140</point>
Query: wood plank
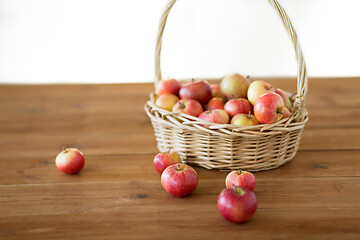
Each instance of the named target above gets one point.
<point>119,196</point>
<point>322,91</point>
<point>95,116</point>
<point>112,106</point>
<point>108,141</point>
<point>108,168</point>
<point>179,223</point>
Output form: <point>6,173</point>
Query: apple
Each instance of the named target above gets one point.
<point>239,105</point>
<point>188,106</point>
<point>215,103</point>
<point>179,179</point>
<point>284,96</point>
<point>244,119</point>
<point>164,159</point>
<point>235,85</point>
<point>166,101</point>
<point>215,116</point>
<point>269,108</point>
<point>70,160</point>
<point>258,88</point>
<point>240,179</point>
<point>216,91</point>
<point>198,90</point>
<point>286,113</point>
<point>168,86</point>
<point>237,204</point>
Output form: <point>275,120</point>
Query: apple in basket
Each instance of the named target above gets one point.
<point>168,86</point>
<point>164,159</point>
<point>70,160</point>
<point>258,88</point>
<point>239,105</point>
<point>215,103</point>
<point>179,179</point>
<point>197,90</point>
<point>188,106</point>
<point>269,108</point>
<point>244,119</point>
<point>284,96</point>
<point>166,101</point>
<point>237,204</point>
<point>215,116</point>
<point>216,91</point>
<point>235,85</point>
<point>240,179</point>
<point>287,113</point>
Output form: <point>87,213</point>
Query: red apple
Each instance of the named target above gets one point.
<point>179,179</point>
<point>164,159</point>
<point>284,96</point>
<point>269,108</point>
<point>168,86</point>
<point>237,204</point>
<point>239,105</point>
<point>199,91</point>
<point>244,119</point>
<point>215,116</point>
<point>166,101</point>
<point>70,160</point>
<point>188,106</point>
<point>235,85</point>
<point>216,91</point>
<point>286,113</point>
<point>215,103</point>
<point>258,88</point>
<point>240,179</point>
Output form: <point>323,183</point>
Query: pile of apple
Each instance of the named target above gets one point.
<point>237,203</point>
<point>236,100</point>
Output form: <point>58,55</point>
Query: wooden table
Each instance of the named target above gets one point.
<point>118,195</point>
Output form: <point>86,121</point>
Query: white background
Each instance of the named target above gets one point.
<point>101,41</point>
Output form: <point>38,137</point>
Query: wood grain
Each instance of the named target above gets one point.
<point>118,195</point>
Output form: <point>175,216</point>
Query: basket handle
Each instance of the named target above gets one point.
<point>302,79</point>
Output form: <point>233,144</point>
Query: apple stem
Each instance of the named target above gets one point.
<point>279,112</point>
<point>169,150</point>
<point>209,109</point>
<point>193,80</point>
<point>64,149</point>
<point>178,167</point>
<point>234,187</point>
<point>249,115</point>
<point>182,105</point>
<point>232,95</point>
<point>240,171</point>
<point>248,76</point>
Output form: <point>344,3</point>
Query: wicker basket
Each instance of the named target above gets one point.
<point>226,146</point>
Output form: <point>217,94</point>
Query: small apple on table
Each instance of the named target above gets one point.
<point>179,179</point>
<point>240,178</point>
<point>164,159</point>
<point>70,160</point>
<point>237,204</point>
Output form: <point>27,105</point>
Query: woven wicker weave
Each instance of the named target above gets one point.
<point>226,146</point>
